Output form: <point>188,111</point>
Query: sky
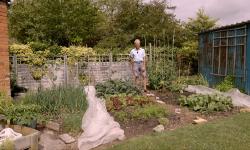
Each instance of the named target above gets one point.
<point>227,11</point>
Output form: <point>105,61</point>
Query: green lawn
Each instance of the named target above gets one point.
<point>227,134</point>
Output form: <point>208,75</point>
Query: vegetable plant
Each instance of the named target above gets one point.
<point>226,84</point>
<point>113,87</point>
<point>207,103</point>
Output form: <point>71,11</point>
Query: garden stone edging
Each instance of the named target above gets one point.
<point>239,99</point>
<point>98,126</point>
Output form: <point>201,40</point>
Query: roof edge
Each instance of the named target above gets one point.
<point>227,26</point>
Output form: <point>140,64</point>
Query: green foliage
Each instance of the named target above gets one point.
<point>18,113</point>
<point>207,103</point>
<point>187,56</point>
<point>72,122</point>
<point>161,73</point>
<point>58,99</point>
<point>55,22</point>
<point>226,84</point>
<point>23,114</point>
<point>7,145</point>
<point>116,87</point>
<point>163,121</point>
<point>122,101</point>
<point>55,50</point>
<point>200,23</point>
<point>38,46</point>
<point>125,108</point>
<point>149,112</point>
<point>182,82</point>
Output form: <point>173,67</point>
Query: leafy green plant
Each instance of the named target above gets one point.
<point>23,114</point>
<point>121,116</point>
<point>161,73</point>
<point>58,99</point>
<point>149,112</point>
<point>207,103</point>
<point>163,121</point>
<point>226,84</point>
<point>121,101</point>
<point>7,145</point>
<point>128,107</point>
<point>182,82</point>
<point>113,87</point>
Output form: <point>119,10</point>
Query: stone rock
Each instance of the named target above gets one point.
<point>177,110</point>
<point>245,110</point>
<point>160,102</point>
<point>51,142</point>
<point>53,126</point>
<point>157,98</point>
<point>159,128</point>
<point>199,120</point>
<point>150,95</point>
<point>67,138</point>
<point>48,131</point>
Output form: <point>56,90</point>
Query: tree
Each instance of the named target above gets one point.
<point>200,23</point>
<point>187,56</point>
<point>59,22</point>
<point>135,19</point>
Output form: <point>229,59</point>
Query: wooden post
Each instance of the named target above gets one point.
<point>110,64</point>
<point>65,70</point>
<point>150,53</point>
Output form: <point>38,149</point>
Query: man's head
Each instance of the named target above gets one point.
<point>137,43</point>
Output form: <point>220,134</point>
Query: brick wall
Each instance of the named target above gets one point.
<point>56,75</point>
<point>4,55</point>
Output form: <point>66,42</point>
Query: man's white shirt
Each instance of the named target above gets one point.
<point>137,55</point>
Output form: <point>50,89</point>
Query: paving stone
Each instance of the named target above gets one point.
<point>159,128</point>
<point>53,126</point>
<point>150,95</point>
<point>67,138</point>
<point>49,142</point>
<point>160,102</point>
<point>199,120</point>
<point>177,110</point>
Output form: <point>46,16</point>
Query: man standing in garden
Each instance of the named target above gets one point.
<point>138,63</point>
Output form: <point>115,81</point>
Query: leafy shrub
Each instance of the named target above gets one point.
<point>18,113</point>
<point>182,82</point>
<point>23,114</point>
<point>55,50</point>
<point>163,121</point>
<point>75,52</point>
<point>58,99</point>
<point>125,108</point>
<point>113,87</point>
<point>121,101</point>
<point>38,46</point>
<point>149,112</point>
<point>160,74</point>
<point>207,103</point>
<point>226,84</point>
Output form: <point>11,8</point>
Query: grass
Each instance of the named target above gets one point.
<point>72,122</point>
<point>227,134</point>
<point>64,102</point>
<point>58,99</point>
